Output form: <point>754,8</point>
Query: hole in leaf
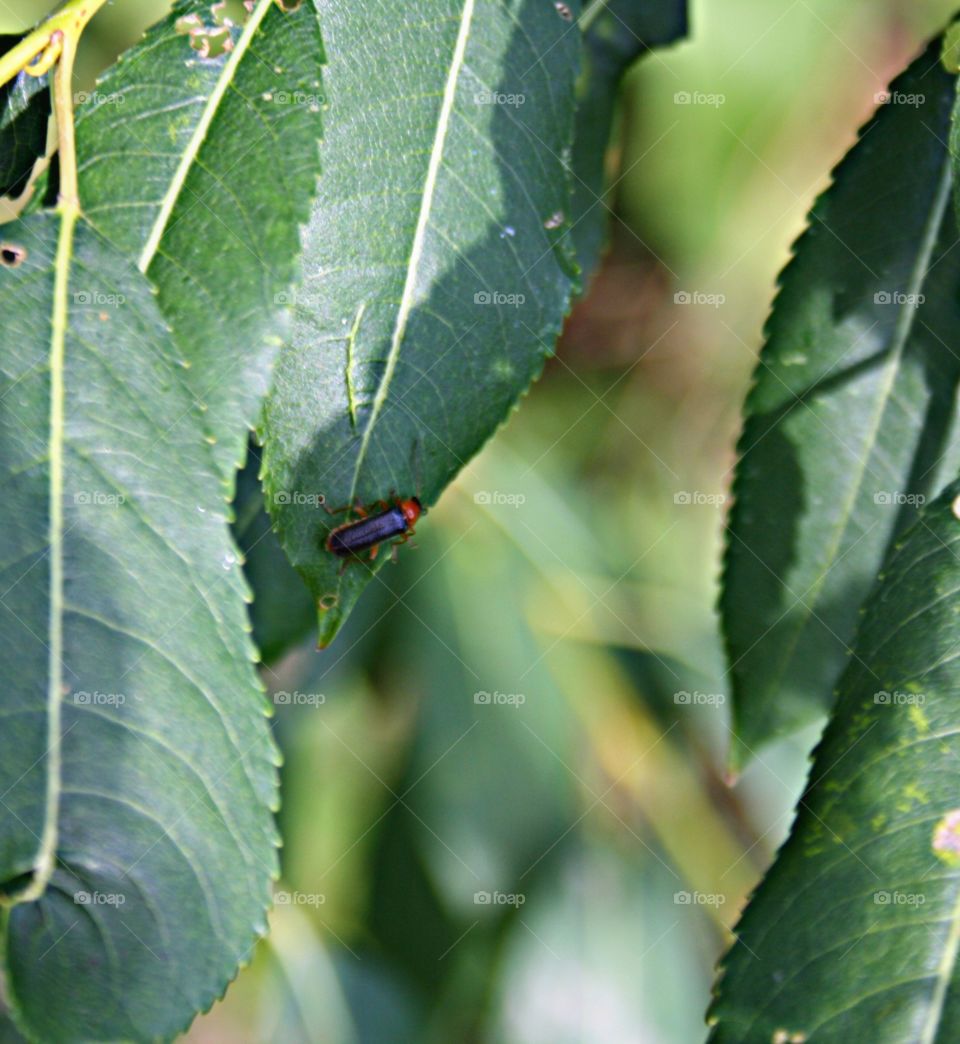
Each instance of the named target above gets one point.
<point>230,12</point>
<point>11,255</point>
<point>210,40</point>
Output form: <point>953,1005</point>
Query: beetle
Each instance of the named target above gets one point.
<point>367,533</point>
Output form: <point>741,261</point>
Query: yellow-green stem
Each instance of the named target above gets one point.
<point>66,141</point>
<point>69,20</point>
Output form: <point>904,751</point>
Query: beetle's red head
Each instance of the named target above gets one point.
<point>412,509</point>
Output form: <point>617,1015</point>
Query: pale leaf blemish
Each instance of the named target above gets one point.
<point>919,719</point>
<point>555,220</point>
<point>782,1036</point>
<point>564,11</point>
<point>955,507</point>
<point>946,838</point>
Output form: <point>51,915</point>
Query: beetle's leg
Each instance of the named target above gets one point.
<point>330,510</point>
<point>373,551</point>
<point>406,536</point>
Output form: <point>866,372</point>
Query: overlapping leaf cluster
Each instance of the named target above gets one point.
<point>389,315</point>
<point>842,563</point>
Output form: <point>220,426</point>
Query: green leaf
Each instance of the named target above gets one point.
<point>204,169</point>
<point>24,114</point>
<point>615,34</point>
<point>854,933</point>
<point>438,267</point>
<point>851,420</point>
<point>136,767</point>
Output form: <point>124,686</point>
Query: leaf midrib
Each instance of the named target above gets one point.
<point>46,854</point>
<point>199,135</point>
<point>419,237</point>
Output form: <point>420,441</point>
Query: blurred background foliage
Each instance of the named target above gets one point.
<point>563,567</point>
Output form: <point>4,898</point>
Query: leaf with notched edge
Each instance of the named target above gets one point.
<point>853,934</point>
<point>204,168</point>
<point>851,421</point>
<point>437,265</point>
<point>137,772</point>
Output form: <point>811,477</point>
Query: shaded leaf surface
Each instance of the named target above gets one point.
<point>282,612</point>
<point>615,34</point>
<point>135,747</point>
<point>853,934</point>
<point>437,268</point>
<point>851,420</point>
<point>24,114</point>
<point>204,168</point>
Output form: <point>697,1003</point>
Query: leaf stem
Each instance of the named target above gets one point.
<point>69,198</point>
<point>37,51</point>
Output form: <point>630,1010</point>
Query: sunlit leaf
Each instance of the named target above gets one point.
<point>198,155</point>
<point>437,266</point>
